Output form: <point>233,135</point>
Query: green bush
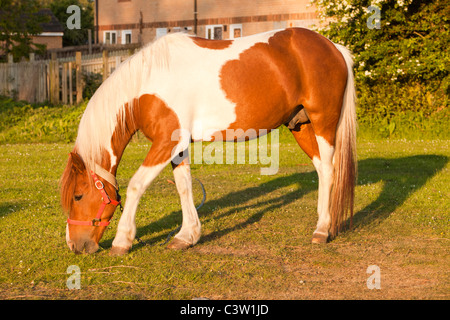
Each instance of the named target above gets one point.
<point>392,111</point>
<point>92,81</point>
<point>25,123</point>
<point>401,69</point>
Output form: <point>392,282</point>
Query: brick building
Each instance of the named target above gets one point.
<point>51,34</point>
<point>142,21</point>
<point>52,31</point>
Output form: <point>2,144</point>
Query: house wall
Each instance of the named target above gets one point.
<point>144,17</point>
<point>52,42</point>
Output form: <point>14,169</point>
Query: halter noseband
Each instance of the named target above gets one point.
<point>97,221</point>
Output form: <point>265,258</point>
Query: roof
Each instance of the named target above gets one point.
<point>53,25</point>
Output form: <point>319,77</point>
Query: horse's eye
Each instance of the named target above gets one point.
<point>78,198</point>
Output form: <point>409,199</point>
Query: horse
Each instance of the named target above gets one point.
<point>183,88</point>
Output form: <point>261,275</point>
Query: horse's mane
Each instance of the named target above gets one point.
<point>107,107</point>
<point>67,186</point>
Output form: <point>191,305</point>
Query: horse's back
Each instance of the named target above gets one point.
<point>252,82</point>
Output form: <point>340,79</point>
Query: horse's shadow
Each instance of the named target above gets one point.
<point>10,207</point>
<point>401,177</point>
<point>236,202</point>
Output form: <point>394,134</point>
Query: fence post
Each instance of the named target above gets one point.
<point>105,65</point>
<point>78,77</point>
<point>64,83</point>
<point>42,81</point>
<point>50,80</point>
<point>54,79</point>
<point>70,84</point>
<point>47,80</point>
<point>90,41</point>
<point>10,75</point>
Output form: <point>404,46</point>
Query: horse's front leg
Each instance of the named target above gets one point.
<point>189,233</point>
<point>126,230</point>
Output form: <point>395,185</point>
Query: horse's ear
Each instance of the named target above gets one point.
<point>78,164</point>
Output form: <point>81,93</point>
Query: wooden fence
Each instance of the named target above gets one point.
<point>56,80</point>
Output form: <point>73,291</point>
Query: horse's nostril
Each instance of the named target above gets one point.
<point>77,248</point>
<point>91,247</point>
<point>71,245</point>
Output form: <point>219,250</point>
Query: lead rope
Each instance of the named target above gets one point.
<point>139,240</point>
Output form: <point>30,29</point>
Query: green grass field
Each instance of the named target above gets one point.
<point>256,230</point>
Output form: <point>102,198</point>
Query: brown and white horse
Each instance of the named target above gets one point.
<point>183,88</point>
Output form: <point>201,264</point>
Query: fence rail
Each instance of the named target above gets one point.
<point>56,80</point>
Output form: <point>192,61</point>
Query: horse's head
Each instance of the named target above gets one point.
<point>90,203</point>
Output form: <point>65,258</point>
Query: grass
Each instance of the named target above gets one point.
<point>27,123</point>
<point>256,230</point>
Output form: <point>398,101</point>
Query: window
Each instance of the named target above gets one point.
<point>235,31</point>
<point>214,32</point>
<point>110,37</point>
<point>126,36</point>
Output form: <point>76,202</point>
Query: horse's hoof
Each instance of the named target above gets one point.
<point>118,251</point>
<point>178,244</point>
<point>319,238</point>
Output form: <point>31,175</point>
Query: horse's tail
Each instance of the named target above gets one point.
<point>345,164</point>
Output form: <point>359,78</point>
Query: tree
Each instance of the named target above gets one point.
<point>19,21</point>
<point>402,67</point>
<point>74,37</point>
<point>411,45</point>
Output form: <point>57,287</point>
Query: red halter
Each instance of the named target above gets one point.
<point>97,221</point>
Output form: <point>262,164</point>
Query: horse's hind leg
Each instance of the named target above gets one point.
<point>326,174</point>
<point>190,230</point>
<point>308,141</point>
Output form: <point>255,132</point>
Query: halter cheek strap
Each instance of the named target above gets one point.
<point>105,174</point>
<point>97,221</point>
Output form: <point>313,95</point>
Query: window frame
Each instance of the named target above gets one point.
<point>124,36</point>
<point>110,32</point>
<point>233,27</point>
<point>209,31</point>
